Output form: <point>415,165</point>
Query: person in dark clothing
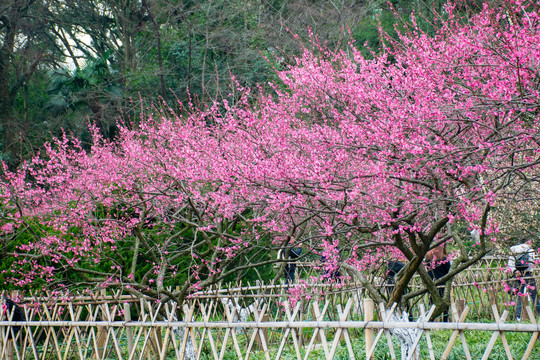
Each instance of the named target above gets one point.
<point>520,263</point>
<point>9,307</point>
<point>393,268</point>
<point>438,265</point>
<point>290,267</point>
<point>331,273</point>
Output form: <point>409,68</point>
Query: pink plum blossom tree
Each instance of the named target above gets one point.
<point>364,160</point>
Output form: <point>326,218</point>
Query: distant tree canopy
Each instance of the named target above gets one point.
<point>66,63</point>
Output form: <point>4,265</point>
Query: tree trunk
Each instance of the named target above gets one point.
<point>6,102</point>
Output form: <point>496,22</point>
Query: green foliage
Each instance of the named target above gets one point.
<point>394,18</point>
<point>367,35</point>
<point>11,243</point>
<point>114,55</point>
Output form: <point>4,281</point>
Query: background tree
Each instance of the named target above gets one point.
<point>27,46</point>
<point>180,49</point>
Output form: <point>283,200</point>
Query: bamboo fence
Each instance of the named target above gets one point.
<point>262,321</point>
<point>211,329</point>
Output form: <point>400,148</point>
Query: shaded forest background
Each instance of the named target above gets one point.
<point>65,63</point>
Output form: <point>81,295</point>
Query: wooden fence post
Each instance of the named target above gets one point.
<point>5,347</point>
<point>524,303</point>
<point>10,352</point>
<point>369,307</point>
<point>493,297</point>
<point>262,342</point>
<point>460,305</point>
<point>101,337</point>
<point>129,330</point>
<point>102,330</point>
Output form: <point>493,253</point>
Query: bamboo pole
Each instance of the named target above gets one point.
<point>369,307</point>
<point>534,336</point>
<point>520,327</point>
<point>129,331</point>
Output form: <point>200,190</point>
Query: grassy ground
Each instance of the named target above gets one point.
<point>477,342</point>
